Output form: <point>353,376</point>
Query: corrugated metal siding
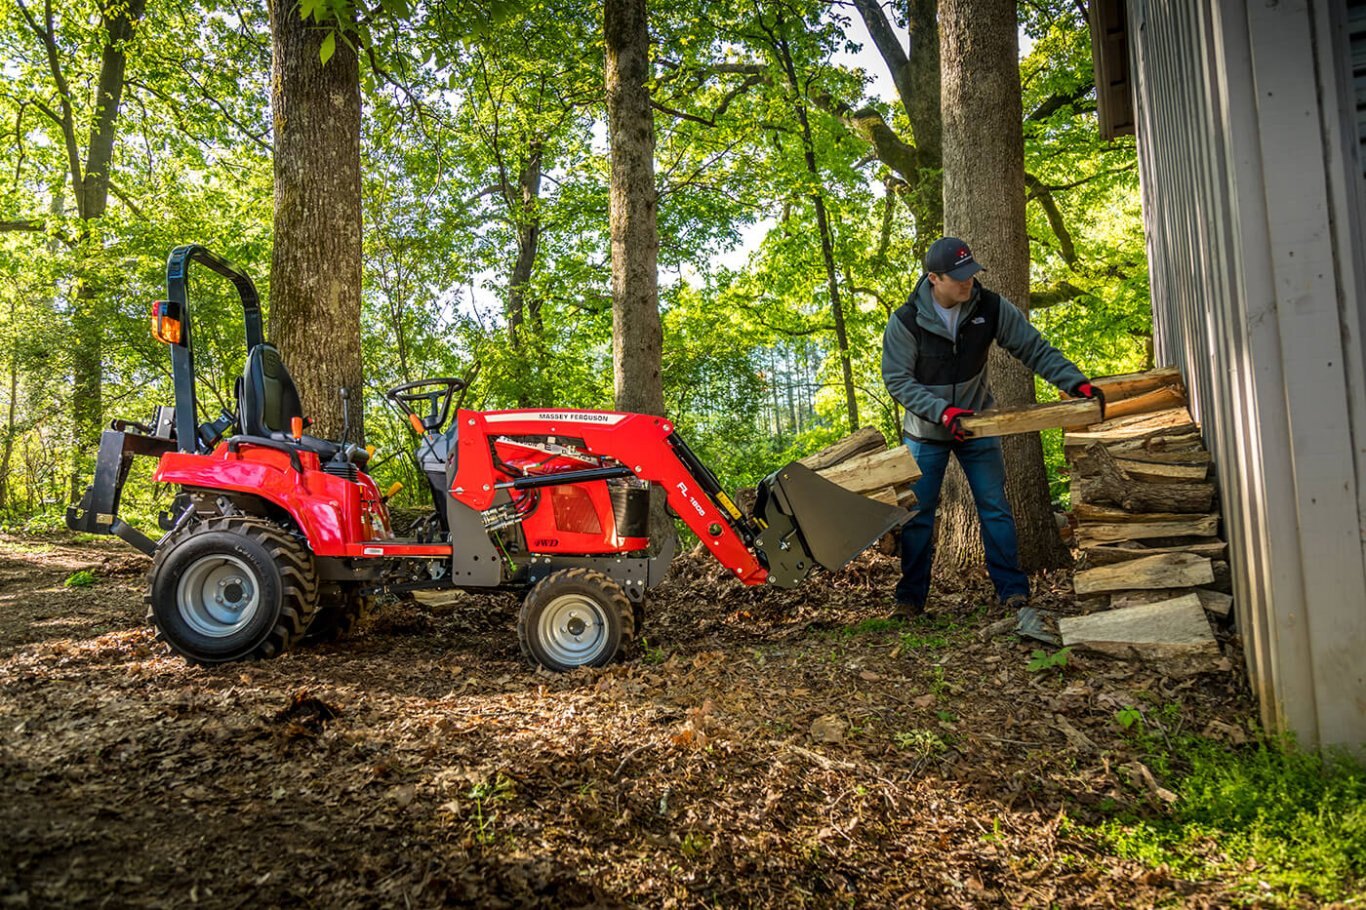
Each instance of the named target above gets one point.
<point>1237,184</point>
<point>1356,28</point>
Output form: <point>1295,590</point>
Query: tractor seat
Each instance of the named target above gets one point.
<point>268,401</point>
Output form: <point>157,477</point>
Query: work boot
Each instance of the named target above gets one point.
<point>1015,602</point>
<point>906,611</point>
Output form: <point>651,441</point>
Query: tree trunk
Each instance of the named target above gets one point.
<point>7,449</point>
<point>315,267</point>
<point>984,203</point>
<point>637,335</point>
<point>822,226</point>
<point>90,186</point>
<point>520,309</point>
<point>527,220</point>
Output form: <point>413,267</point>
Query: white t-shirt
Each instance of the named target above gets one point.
<point>950,317</point>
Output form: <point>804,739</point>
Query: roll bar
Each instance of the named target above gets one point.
<point>182,353</point>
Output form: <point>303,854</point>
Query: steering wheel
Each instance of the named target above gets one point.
<point>438,395</point>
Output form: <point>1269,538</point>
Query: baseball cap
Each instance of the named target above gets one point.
<point>951,256</point>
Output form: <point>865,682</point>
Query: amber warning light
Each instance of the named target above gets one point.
<point>165,327</point>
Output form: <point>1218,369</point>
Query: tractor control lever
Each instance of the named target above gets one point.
<point>346,423</point>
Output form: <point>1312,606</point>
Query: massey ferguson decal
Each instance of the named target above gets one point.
<point>558,417</point>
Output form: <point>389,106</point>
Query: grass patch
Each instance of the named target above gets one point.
<point>1278,823</point>
<point>870,627</point>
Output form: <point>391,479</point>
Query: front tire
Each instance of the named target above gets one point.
<point>575,618</point>
<point>230,589</point>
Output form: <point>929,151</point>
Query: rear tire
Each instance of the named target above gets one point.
<point>230,589</point>
<point>575,618</point>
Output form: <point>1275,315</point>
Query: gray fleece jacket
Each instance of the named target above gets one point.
<point>928,369</point>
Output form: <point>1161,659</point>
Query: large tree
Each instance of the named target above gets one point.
<point>984,203</point>
<point>315,270</point>
<point>89,173</point>
<point>637,338</point>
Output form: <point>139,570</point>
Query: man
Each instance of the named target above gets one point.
<point>934,362</point>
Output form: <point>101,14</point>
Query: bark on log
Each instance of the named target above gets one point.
<point>860,442</point>
<point>1092,557</point>
<point>1214,602</point>
<point>1168,570</point>
<point>1187,456</point>
<point>1204,526</point>
<point>1164,473</point>
<point>1087,512</point>
<point>1158,444</point>
<point>1121,484</point>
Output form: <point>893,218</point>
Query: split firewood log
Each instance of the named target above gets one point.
<point>1106,555</point>
<point>1156,400</point>
<point>860,442</point>
<point>1031,418</point>
<point>1128,385</point>
<point>1129,485</point>
<point>1167,570</point>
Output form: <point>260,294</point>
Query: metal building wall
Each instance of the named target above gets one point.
<point>1252,196</point>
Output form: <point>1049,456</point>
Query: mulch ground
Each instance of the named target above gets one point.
<point>761,749</point>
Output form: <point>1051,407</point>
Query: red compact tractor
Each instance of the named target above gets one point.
<point>275,534</point>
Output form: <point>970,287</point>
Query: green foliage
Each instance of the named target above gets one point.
<point>1127,716</point>
<point>484,149</point>
<point>1288,826</point>
<point>1041,660</point>
<point>921,743</point>
<point>83,578</point>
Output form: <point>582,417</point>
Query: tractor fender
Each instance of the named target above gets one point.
<point>326,509</point>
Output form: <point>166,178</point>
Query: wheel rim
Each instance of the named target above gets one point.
<point>218,595</point>
<point>573,630</point>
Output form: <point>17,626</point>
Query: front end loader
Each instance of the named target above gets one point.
<point>275,535</point>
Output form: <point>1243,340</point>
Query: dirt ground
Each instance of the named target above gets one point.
<point>761,749</point>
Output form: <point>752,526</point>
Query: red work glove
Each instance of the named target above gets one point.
<point>1086,390</point>
<point>953,419</point>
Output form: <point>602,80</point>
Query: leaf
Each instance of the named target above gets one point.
<point>329,47</point>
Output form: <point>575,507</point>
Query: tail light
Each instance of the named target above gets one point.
<point>165,325</point>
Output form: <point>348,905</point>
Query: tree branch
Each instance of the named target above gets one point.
<point>1039,192</point>
<point>1060,293</point>
<point>258,138</point>
<point>67,120</point>
<point>896,58</point>
<point>1055,102</point>
<point>721,109</point>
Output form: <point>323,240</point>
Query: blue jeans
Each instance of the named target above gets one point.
<point>985,470</point>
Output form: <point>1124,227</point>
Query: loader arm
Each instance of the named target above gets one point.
<point>646,444</point>
<point>800,521</point>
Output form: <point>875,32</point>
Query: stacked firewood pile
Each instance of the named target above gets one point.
<point>1146,521</point>
<point>862,463</point>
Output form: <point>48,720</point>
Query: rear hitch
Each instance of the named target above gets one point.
<point>98,510</point>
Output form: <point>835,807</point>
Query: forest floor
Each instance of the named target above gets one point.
<point>762,748</point>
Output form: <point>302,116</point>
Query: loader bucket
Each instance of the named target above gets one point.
<point>811,521</point>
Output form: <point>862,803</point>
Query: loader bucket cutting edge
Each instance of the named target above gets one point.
<point>811,521</point>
